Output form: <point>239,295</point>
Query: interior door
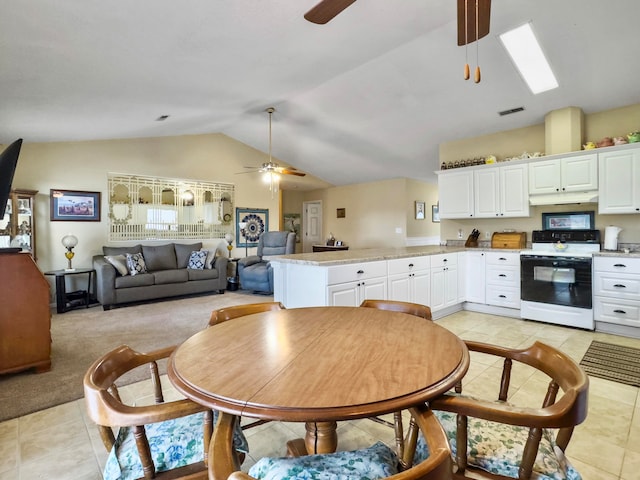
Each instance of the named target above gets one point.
<point>312,223</point>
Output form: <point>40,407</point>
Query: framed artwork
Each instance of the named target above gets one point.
<point>74,206</point>
<point>419,210</point>
<point>435,214</point>
<point>292,224</point>
<point>341,212</point>
<point>256,221</point>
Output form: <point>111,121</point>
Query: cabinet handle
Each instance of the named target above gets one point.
<point>619,285</point>
<point>411,265</point>
<point>620,311</point>
<point>444,260</point>
<point>502,275</point>
<point>359,272</point>
<point>620,265</point>
<point>502,296</point>
<point>503,259</point>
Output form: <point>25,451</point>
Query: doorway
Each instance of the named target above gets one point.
<point>312,225</point>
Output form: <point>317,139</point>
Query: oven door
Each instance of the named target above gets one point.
<point>557,280</point>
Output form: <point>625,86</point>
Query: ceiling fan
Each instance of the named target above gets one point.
<point>470,26</point>
<point>271,166</point>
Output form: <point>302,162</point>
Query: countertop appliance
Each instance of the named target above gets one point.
<point>611,237</point>
<point>556,274</point>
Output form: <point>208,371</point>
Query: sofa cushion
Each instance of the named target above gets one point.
<point>202,274</point>
<point>159,257</point>
<point>121,250</point>
<point>119,262</point>
<point>140,280</point>
<point>183,252</point>
<point>177,275</point>
<point>136,264</point>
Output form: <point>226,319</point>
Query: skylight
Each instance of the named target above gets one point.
<point>527,55</point>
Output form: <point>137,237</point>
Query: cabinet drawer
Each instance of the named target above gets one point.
<point>444,260</point>
<point>621,312</point>
<point>617,285</point>
<point>502,258</point>
<point>616,264</point>
<point>503,296</point>
<point>356,271</point>
<point>509,276</point>
<point>406,265</point>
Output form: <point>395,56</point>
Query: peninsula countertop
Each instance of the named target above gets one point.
<point>327,259</point>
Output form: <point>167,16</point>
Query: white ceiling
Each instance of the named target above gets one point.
<point>368,96</point>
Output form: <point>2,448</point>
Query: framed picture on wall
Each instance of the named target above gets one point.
<point>435,214</point>
<point>250,224</point>
<point>419,210</point>
<point>292,224</point>
<point>74,206</point>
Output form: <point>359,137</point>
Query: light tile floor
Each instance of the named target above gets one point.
<point>62,443</point>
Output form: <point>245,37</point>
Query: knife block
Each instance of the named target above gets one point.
<point>471,242</point>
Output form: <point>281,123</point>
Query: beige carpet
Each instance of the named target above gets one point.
<point>80,336</point>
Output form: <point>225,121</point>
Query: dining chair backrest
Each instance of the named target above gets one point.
<point>229,313</point>
<point>416,309</point>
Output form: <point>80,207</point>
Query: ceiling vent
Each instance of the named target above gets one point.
<point>510,111</point>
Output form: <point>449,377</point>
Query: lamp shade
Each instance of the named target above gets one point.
<point>69,241</point>
<point>228,238</point>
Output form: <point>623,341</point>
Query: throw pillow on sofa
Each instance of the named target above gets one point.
<point>136,264</point>
<point>211,258</point>
<point>197,260</point>
<point>119,262</point>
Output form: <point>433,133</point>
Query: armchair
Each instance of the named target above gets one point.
<point>255,271</point>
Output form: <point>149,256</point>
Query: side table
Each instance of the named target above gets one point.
<point>68,301</point>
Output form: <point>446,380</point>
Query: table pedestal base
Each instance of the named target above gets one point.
<point>321,437</point>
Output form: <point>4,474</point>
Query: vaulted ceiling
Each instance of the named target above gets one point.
<point>366,97</point>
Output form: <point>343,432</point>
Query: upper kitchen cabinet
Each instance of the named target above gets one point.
<point>455,194</point>
<point>571,174</point>
<point>619,181</point>
<point>501,191</point>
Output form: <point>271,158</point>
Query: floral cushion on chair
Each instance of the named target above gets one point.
<point>377,461</point>
<point>174,443</point>
<point>497,448</point>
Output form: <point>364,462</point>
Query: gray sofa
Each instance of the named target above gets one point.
<point>167,274</point>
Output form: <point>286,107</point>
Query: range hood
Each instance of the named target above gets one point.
<point>564,198</point>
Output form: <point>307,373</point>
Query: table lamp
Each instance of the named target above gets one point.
<point>242,226</point>
<point>229,239</point>
<point>69,241</point>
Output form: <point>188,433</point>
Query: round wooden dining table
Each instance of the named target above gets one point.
<point>318,365</point>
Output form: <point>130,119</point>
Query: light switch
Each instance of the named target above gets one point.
<point>398,229</point>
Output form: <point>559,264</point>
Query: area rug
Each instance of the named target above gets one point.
<point>612,362</point>
<point>83,335</point>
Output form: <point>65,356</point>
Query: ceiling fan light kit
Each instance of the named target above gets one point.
<point>473,24</point>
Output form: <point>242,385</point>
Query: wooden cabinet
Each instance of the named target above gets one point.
<point>503,279</point>
<point>616,295</point>
<point>455,191</point>
<point>18,227</point>
<point>409,279</point>
<point>572,174</point>
<point>501,191</point>
<point>25,318</point>
<point>444,281</point>
<point>619,173</point>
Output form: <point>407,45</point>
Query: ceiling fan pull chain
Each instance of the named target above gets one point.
<point>477,74</point>
<point>467,74</point>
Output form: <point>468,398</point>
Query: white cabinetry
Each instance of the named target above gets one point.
<point>616,290</point>
<point>444,281</point>
<point>349,285</point>
<point>572,174</point>
<point>473,276</point>
<point>501,191</point>
<point>455,191</point>
<point>409,279</point>
<point>619,173</point>
<point>503,279</point>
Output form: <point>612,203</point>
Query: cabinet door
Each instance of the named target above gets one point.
<point>438,288</point>
<point>399,287</point>
<point>455,191</point>
<point>373,289</point>
<point>544,177</point>
<point>486,193</point>
<point>514,191</point>
<point>579,174</point>
<point>451,286</point>
<point>619,182</point>
<point>474,277</point>
<point>344,295</point>
<point>421,291</point>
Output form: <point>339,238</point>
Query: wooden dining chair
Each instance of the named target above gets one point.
<point>378,461</point>
<point>162,440</point>
<point>229,313</point>
<point>496,439</point>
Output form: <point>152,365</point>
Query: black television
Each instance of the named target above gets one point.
<point>8,162</point>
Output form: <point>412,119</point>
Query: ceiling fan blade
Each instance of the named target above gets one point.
<point>286,171</point>
<point>324,11</point>
<point>484,15</point>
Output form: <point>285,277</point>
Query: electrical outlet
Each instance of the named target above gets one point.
<point>460,234</point>
<point>398,229</point>
<point>487,235</point>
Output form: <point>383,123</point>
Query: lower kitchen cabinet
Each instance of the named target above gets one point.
<point>409,280</point>
<point>503,279</point>
<point>352,294</point>
<point>473,276</point>
<point>444,281</point>
<point>616,295</point>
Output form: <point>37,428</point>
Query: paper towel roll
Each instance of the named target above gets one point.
<point>611,237</point>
